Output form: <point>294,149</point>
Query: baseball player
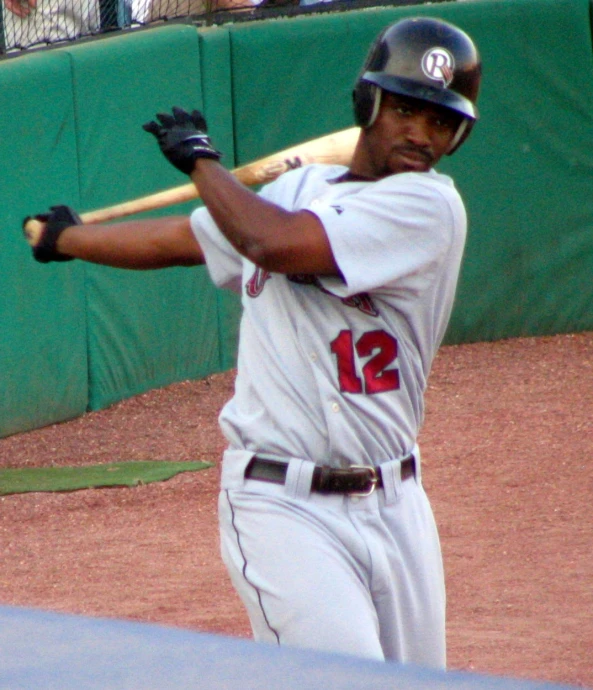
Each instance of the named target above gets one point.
<point>348,277</point>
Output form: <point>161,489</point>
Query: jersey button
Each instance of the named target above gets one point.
<point>335,407</point>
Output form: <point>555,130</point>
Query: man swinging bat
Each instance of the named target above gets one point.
<point>348,277</point>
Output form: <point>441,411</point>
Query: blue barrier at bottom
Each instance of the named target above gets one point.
<point>67,652</point>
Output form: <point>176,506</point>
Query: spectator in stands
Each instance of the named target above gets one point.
<point>36,22</point>
<point>153,10</point>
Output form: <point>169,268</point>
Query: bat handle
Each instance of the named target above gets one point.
<point>33,230</point>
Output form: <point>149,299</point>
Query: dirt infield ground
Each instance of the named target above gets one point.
<point>508,465</point>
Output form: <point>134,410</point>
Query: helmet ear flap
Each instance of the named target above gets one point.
<point>367,99</point>
<point>461,135</point>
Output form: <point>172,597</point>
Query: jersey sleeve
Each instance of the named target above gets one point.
<point>392,236</point>
<point>223,262</point>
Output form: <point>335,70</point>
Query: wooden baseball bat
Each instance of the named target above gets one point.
<point>335,149</point>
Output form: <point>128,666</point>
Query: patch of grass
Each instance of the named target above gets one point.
<point>24,480</point>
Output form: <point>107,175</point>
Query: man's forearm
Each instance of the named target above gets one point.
<point>249,222</point>
<point>143,244</point>
<point>263,232</point>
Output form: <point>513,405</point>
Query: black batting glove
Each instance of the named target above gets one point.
<point>43,240</point>
<point>183,138</point>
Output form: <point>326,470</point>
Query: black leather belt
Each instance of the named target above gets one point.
<point>358,479</point>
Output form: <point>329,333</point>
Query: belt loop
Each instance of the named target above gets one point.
<point>234,462</point>
<point>416,452</point>
<point>392,482</point>
<point>391,473</point>
<point>298,478</point>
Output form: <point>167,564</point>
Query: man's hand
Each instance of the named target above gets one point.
<point>22,8</point>
<point>183,138</point>
<point>43,241</point>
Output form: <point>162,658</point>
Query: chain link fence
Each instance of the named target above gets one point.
<point>35,23</point>
<point>29,24</point>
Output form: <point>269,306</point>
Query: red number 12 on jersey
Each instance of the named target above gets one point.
<point>376,377</point>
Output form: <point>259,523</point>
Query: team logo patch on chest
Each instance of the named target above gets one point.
<point>257,282</point>
<point>255,286</point>
<point>362,302</point>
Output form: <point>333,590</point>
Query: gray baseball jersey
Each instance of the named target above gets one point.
<point>332,370</point>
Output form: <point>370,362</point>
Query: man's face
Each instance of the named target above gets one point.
<point>409,135</point>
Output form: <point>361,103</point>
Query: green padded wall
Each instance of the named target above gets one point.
<point>527,171</point>
<point>146,329</point>
<point>43,366</point>
<point>217,87</point>
<point>291,81</point>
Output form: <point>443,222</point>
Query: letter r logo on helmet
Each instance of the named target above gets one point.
<point>438,64</point>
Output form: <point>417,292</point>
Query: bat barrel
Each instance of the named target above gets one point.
<point>335,149</point>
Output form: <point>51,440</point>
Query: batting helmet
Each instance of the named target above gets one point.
<point>423,58</point>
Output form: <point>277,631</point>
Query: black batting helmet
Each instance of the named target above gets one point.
<point>423,58</point>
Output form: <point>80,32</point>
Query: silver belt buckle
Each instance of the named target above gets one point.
<point>373,480</point>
